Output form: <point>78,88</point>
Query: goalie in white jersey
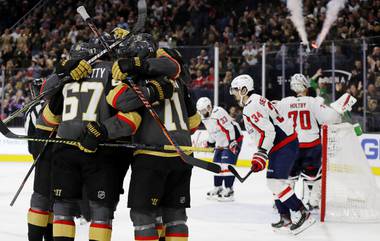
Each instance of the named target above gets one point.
<point>225,134</point>
<point>277,142</point>
<point>308,114</point>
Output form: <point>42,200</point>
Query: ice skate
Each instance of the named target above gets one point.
<point>227,195</point>
<point>304,221</point>
<point>213,194</point>
<point>282,226</point>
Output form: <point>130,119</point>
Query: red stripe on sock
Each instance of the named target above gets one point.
<point>100,225</point>
<point>38,211</point>
<point>283,193</point>
<point>176,235</point>
<point>146,237</point>
<point>65,222</point>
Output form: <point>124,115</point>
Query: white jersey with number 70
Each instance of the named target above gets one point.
<point>307,114</point>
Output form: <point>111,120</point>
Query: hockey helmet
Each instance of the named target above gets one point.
<point>299,83</point>
<point>139,45</point>
<point>35,87</point>
<point>204,105</point>
<point>240,82</point>
<point>83,50</point>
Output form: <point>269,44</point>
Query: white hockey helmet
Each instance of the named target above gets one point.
<point>240,82</point>
<point>298,83</point>
<point>204,105</point>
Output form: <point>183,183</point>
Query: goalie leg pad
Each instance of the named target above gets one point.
<point>175,222</point>
<point>144,222</point>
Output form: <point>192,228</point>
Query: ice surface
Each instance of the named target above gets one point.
<point>247,218</point>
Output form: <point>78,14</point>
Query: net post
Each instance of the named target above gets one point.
<point>324,173</point>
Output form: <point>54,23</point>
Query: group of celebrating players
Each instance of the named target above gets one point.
<point>99,105</point>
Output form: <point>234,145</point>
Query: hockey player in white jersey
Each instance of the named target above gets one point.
<point>277,142</point>
<point>225,134</point>
<point>307,115</point>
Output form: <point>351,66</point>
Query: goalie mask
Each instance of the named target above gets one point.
<point>299,83</point>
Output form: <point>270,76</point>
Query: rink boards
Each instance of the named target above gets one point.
<point>12,150</point>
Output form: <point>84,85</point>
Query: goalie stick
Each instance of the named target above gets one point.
<point>187,159</point>
<point>237,175</point>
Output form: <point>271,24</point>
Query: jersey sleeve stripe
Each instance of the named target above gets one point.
<point>133,119</point>
<point>114,94</point>
<point>261,132</point>
<point>162,53</point>
<point>225,131</point>
<point>194,122</point>
<point>49,117</point>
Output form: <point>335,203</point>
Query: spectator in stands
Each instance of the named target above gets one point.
<point>250,54</point>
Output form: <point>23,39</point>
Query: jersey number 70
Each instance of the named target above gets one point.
<point>302,117</point>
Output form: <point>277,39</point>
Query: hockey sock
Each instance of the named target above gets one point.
<point>150,234</point>
<point>229,181</point>
<point>281,208</point>
<point>48,235</point>
<point>161,231</point>
<point>63,230</point>
<point>100,232</point>
<point>289,198</point>
<point>177,232</point>
<point>37,223</point>
<point>218,181</point>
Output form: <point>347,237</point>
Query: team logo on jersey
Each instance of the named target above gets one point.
<point>154,201</point>
<point>182,200</point>
<point>101,194</point>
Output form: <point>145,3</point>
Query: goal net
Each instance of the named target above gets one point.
<point>349,189</point>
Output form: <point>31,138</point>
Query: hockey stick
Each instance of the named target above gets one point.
<point>142,11</point>
<point>66,79</point>
<point>187,159</point>
<point>9,134</point>
<point>237,175</point>
<point>30,171</point>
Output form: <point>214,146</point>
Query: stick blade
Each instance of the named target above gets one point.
<point>6,131</point>
<point>209,166</point>
<point>235,173</point>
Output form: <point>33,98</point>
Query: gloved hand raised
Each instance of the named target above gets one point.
<point>76,68</point>
<point>127,67</point>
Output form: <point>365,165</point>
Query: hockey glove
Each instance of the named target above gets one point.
<point>234,147</point>
<point>160,90</point>
<point>259,160</point>
<point>93,134</point>
<point>119,33</point>
<point>126,67</point>
<point>76,68</point>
